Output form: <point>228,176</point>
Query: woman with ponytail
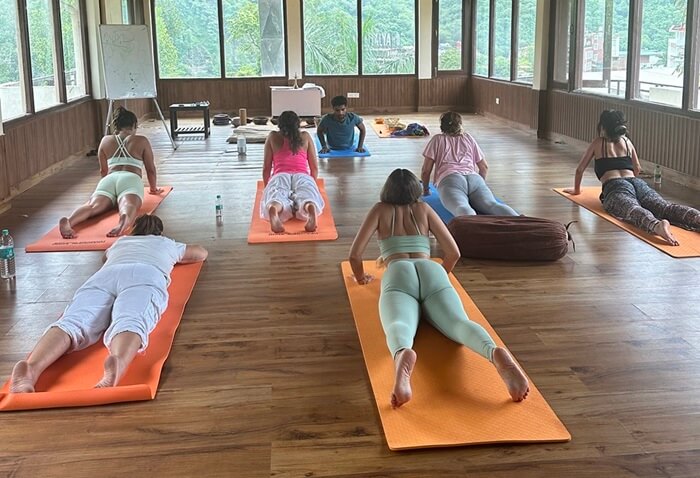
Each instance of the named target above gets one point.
<point>122,157</point>
<point>625,196</point>
<point>290,169</point>
<point>122,302</point>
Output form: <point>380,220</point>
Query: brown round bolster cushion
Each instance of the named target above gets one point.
<point>512,238</point>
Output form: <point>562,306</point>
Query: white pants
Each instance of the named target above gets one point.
<point>292,191</point>
<point>118,298</point>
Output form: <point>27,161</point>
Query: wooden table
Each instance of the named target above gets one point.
<point>202,106</point>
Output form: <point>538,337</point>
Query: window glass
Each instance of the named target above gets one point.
<point>330,37</point>
<point>73,59</point>
<point>187,36</point>
<point>662,51</point>
<point>11,97</point>
<point>254,38</point>
<point>503,26</point>
<point>562,37</point>
<point>481,52</point>
<point>41,45</point>
<point>388,37</point>
<point>450,17</point>
<point>526,40</point>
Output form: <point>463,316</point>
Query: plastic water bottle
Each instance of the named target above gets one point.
<point>7,255</point>
<point>241,144</point>
<point>657,176</point>
<point>219,209</point>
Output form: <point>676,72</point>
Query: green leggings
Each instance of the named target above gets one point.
<point>408,285</point>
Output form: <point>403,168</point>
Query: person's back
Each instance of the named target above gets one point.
<point>284,159</point>
<point>158,251</point>
<point>453,154</point>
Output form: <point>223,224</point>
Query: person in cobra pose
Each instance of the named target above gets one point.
<point>123,300</point>
<point>625,195</point>
<point>412,282</point>
<point>290,169</point>
<point>122,157</point>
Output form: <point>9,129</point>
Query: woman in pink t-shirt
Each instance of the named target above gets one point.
<point>290,168</point>
<point>460,171</point>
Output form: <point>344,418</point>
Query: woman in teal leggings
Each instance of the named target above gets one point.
<point>412,283</point>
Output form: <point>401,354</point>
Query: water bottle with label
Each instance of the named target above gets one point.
<point>657,176</point>
<point>219,210</point>
<point>7,255</point>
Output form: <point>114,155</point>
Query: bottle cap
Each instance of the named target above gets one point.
<point>5,232</point>
<point>218,195</point>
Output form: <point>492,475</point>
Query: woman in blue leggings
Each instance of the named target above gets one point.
<point>413,283</point>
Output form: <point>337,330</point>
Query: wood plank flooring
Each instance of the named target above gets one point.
<point>266,377</point>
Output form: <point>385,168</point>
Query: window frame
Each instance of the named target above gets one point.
<point>25,63</point>
<point>466,42</point>
<point>360,74</point>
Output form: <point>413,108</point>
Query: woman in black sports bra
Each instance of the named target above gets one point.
<point>624,195</point>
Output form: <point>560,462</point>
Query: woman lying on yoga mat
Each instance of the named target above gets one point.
<point>460,171</point>
<point>412,282</point>
<point>124,300</point>
<point>121,157</point>
<point>625,196</point>
<point>290,169</point>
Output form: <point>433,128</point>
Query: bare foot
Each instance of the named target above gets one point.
<point>275,223</point>
<point>663,229</point>
<point>311,224</point>
<point>512,376</point>
<point>23,378</point>
<point>404,362</point>
<point>121,227</point>
<point>66,231</point>
<point>113,373</point>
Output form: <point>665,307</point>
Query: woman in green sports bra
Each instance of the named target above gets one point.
<point>412,282</point>
<point>122,157</point>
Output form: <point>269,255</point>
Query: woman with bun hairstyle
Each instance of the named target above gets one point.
<point>625,196</point>
<point>122,157</point>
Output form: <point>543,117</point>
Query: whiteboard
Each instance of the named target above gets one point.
<point>128,61</point>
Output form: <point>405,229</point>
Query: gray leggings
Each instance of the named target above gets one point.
<point>633,201</point>
<point>467,194</point>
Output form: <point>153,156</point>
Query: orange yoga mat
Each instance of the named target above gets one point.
<point>458,396</point>
<point>383,131</point>
<point>689,240</point>
<point>69,381</point>
<point>92,234</point>
<point>294,228</point>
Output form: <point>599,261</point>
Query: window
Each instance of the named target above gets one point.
<point>388,37</point>
<point>481,50</point>
<point>187,34</point>
<point>330,37</point>
<point>42,49</point>
<point>254,38</point>
<point>563,10</point>
<point>11,96</point>
<point>450,17</point>
<point>527,12</point>
<point>662,51</point>
<point>603,61</point>
<point>503,24</point>
<point>73,61</point>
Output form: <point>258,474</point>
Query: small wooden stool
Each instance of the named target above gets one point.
<point>202,106</point>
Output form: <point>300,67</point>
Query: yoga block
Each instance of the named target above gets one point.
<point>511,238</point>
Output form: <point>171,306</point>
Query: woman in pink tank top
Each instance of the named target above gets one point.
<point>290,169</point>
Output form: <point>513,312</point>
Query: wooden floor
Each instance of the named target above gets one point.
<point>266,376</point>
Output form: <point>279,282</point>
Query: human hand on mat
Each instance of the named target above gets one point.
<point>155,191</point>
<point>572,191</point>
<point>325,149</point>
<point>360,149</point>
<point>365,279</point>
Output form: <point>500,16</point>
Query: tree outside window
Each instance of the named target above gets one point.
<point>11,98</point>
<point>481,50</point>
<point>450,17</point>
<point>527,13</point>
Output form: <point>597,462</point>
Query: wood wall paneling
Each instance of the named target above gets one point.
<point>443,93</point>
<point>517,103</point>
<point>4,178</point>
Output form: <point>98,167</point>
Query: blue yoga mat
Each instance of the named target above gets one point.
<point>342,153</point>
<point>434,201</point>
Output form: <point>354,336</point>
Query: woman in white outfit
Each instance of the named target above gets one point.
<point>290,169</point>
<point>123,300</point>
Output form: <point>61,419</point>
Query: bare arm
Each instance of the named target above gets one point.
<point>311,156</point>
<point>635,159</point>
<point>447,243</point>
<point>267,160</point>
<point>194,253</point>
<point>150,165</point>
<point>582,165</point>
<point>483,168</point>
<point>425,172</point>
<point>321,133</point>
<point>102,157</point>
<point>361,141</point>
<point>367,229</point>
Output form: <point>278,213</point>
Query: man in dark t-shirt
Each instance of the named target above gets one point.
<point>337,130</point>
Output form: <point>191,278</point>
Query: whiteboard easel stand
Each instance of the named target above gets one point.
<point>108,121</point>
